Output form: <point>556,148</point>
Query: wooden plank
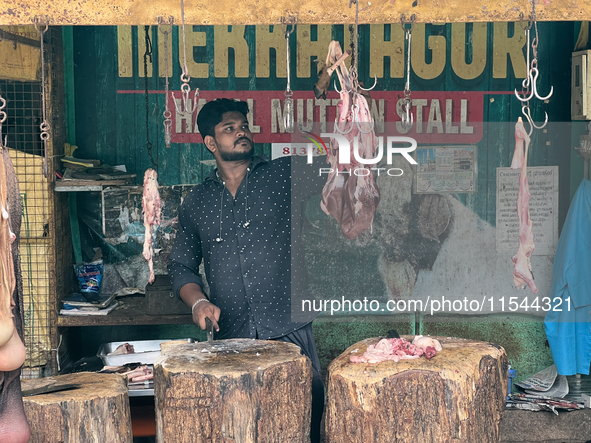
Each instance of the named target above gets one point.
<point>69,84</point>
<point>458,395</point>
<point>249,12</point>
<point>145,130</point>
<point>126,136</point>
<point>77,183</point>
<point>247,391</point>
<point>20,39</point>
<point>559,132</point>
<point>85,96</point>
<point>463,36</point>
<point>75,227</point>
<point>168,163</point>
<point>503,111</point>
<point>67,415</point>
<point>105,120</point>
<point>132,312</point>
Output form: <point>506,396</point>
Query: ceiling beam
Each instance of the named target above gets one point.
<point>257,12</point>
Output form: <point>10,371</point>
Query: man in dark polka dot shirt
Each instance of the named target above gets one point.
<point>244,222</point>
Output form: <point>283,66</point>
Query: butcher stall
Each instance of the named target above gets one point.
<point>444,229</point>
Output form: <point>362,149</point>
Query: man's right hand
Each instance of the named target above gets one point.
<point>190,293</point>
<point>206,309</point>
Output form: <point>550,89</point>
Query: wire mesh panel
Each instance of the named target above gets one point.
<point>39,261</point>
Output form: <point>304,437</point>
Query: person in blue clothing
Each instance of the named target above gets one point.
<point>568,322</point>
<point>243,223</point>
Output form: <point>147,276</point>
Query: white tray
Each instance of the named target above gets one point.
<point>146,352</point>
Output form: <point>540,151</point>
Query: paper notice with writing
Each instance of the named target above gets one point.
<point>446,169</point>
<point>543,208</point>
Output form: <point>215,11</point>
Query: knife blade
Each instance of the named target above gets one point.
<point>49,389</point>
<point>209,330</point>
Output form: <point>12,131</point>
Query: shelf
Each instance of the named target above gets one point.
<point>131,312</point>
<point>86,185</point>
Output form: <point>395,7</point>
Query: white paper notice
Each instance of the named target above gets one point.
<point>543,208</point>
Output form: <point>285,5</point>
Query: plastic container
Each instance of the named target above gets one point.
<point>512,374</point>
<point>146,352</point>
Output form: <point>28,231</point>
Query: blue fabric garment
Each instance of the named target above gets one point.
<point>569,331</point>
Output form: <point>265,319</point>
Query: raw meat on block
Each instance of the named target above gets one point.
<point>393,349</point>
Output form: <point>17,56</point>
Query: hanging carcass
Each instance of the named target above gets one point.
<point>151,205</point>
<point>350,195</point>
<point>522,274</point>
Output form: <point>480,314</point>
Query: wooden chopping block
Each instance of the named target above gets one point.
<point>97,412</point>
<point>167,345</point>
<point>457,396</point>
<point>237,390</point>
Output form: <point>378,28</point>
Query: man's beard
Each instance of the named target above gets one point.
<point>234,156</point>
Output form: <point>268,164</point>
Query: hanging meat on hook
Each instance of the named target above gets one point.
<point>522,274</point>
<point>323,83</point>
<point>151,205</point>
<point>350,198</point>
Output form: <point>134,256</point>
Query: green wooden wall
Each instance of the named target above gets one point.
<point>111,126</point>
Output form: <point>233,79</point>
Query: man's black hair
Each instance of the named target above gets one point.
<point>211,114</point>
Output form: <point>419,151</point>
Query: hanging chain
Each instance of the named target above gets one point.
<point>407,118</point>
<point>44,126</point>
<point>148,54</point>
<point>2,116</point>
<point>526,81</point>
<point>166,114</point>
<point>534,43</point>
<point>533,69</point>
<point>355,42</point>
<point>288,116</point>
<point>185,77</point>
<point>525,85</point>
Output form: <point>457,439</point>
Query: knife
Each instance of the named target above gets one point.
<point>49,389</point>
<point>209,330</point>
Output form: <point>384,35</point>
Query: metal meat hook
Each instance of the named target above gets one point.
<point>526,111</point>
<point>407,117</point>
<point>185,89</point>
<point>357,120</point>
<point>336,124</point>
<point>535,89</point>
<point>526,98</point>
<point>527,80</point>
<point>348,91</point>
<point>375,82</point>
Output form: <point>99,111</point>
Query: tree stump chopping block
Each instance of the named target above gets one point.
<point>457,396</point>
<point>96,412</point>
<point>237,390</point>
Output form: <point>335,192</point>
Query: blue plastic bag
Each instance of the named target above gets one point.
<point>89,276</point>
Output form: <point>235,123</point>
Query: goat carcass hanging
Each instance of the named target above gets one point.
<point>350,197</point>
<point>522,274</point>
<point>151,205</point>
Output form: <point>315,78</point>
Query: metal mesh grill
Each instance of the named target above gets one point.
<point>39,261</point>
<point>24,115</point>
